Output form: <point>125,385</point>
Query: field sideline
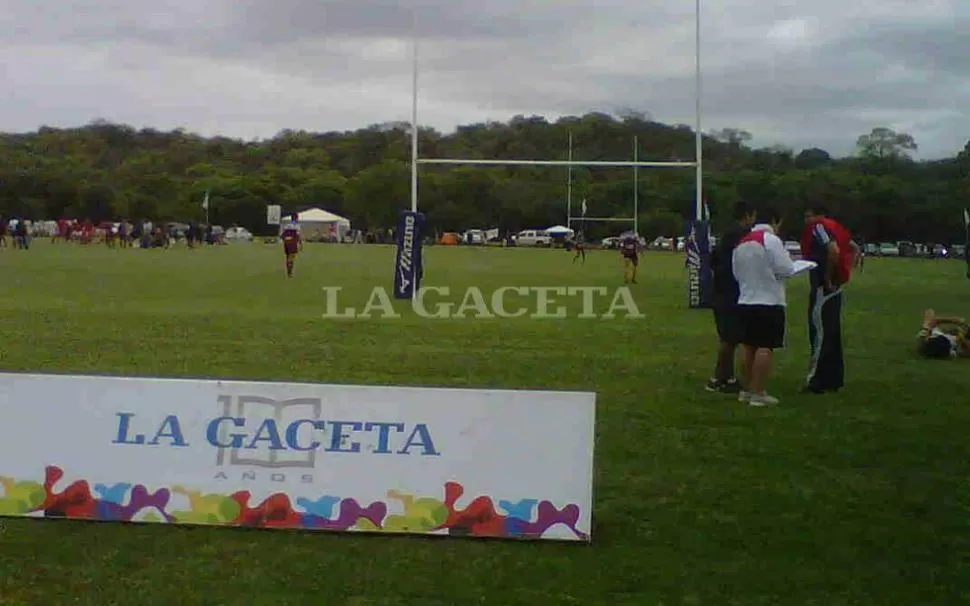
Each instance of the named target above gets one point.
<point>858,498</point>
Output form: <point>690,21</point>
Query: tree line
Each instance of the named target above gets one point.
<point>107,171</point>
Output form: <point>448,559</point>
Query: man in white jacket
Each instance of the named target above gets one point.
<point>761,264</point>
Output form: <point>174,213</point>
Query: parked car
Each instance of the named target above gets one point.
<point>794,249</point>
<point>239,234</point>
<point>871,249</point>
<point>473,236</point>
<point>958,251</point>
<point>614,241</point>
<point>532,237</point>
<point>906,248</point>
<point>888,249</point>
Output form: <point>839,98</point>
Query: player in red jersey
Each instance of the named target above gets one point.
<point>292,243</point>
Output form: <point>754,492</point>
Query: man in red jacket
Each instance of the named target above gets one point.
<point>829,244</point>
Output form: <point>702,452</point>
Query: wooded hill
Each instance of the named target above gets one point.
<point>110,171</point>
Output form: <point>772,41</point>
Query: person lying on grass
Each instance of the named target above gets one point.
<point>944,337</point>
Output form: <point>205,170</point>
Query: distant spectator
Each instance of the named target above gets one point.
<point>21,235</point>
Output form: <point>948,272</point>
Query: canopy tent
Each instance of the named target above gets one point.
<point>318,225</point>
<point>560,230</point>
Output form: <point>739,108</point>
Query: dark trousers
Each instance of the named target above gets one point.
<point>826,369</point>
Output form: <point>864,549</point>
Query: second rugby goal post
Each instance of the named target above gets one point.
<point>416,160</point>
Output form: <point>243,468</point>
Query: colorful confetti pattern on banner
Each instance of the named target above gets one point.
<point>523,519</point>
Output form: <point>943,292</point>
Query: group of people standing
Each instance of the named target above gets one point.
<point>20,231</point>
<point>124,234</point>
<point>750,266</point>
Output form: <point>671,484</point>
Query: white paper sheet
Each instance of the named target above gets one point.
<point>802,266</point>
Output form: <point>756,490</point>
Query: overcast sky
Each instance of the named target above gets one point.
<point>801,73</point>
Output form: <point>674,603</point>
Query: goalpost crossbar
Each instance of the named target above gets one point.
<point>615,164</point>
<point>620,219</point>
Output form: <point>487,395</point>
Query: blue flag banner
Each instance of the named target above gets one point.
<point>408,268</point>
<point>697,245</point>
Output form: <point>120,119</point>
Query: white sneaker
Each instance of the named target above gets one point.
<point>744,396</point>
<point>762,400</point>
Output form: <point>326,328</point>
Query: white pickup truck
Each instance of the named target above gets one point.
<point>532,237</point>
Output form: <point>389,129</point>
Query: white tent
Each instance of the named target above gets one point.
<point>560,230</point>
<point>318,225</point>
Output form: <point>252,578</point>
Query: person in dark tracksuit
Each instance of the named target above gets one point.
<point>827,243</point>
<point>725,301</point>
<point>22,235</point>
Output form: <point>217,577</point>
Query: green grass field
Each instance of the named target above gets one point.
<point>858,498</point>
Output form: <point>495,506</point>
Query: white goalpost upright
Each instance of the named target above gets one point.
<point>414,119</point>
<point>636,187</point>
<point>698,137</point>
<point>636,164</point>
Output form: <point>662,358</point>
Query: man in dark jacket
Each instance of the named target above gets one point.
<point>725,300</point>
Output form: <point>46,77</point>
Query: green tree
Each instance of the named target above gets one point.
<point>885,143</point>
<point>378,193</point>
<point>106,171</point>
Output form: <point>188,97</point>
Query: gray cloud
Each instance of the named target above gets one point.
<point>803,74</point>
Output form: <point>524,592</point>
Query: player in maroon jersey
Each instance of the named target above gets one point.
<point>292,243</point>
<point>580,246</point>
<point>630,250</point>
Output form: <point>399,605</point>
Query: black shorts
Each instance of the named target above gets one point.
<point>762,326</point>
<point>727,319</point>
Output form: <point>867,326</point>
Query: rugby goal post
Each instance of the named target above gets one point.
<point>698,258</point>
<point>635,219</point>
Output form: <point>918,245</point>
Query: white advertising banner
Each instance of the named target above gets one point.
<point>481,463</point>
<point>273,212</point>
